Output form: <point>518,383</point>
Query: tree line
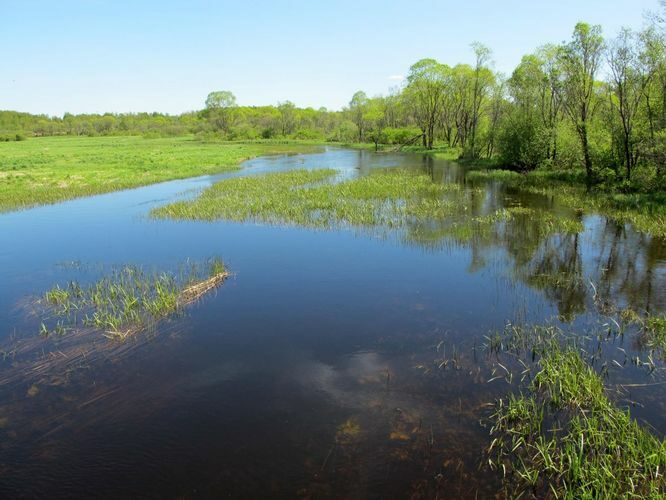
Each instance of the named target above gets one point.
<point>592,103</point>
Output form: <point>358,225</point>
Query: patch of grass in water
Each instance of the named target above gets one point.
<point>129,299</point>
<point>545,223</point>
<point>387,198</point>
<point>647,212</point>
<point>652,333</point>
<point>565,438</point>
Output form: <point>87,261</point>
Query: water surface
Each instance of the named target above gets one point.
<point>318,369</point>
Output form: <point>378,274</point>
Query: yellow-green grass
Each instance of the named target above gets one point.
<point>53,169</point>
<point>385,199</point>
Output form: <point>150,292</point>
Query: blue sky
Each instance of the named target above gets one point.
<point>118,56</point>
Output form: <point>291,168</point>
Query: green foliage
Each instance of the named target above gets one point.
<point>129,299</point>
<point>523,143</point>
<point>400,135</point>
<point>565,438</point>
<point>48,170</point>
<point>303,197</point>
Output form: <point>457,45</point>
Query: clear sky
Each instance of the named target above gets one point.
<point>145,55</point>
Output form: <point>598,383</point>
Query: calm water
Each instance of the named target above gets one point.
<point>316,371</point>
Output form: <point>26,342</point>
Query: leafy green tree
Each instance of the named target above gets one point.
<point>630,75</point>
<point>524,137</point>
<point>375,118</point>
<point>219,109</point>
<point>425,89</point>
<point>551,95</point>
<point>580,61</point>
<point>483,80</point>
<point>357,108</point>
<point>220,99</point>
<point>287,117</point>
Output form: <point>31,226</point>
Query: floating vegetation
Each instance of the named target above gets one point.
<point>652,334</point>
<point>129,299</point>
<point>563,437</point>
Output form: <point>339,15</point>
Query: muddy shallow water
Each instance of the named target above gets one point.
<point>340,363</point>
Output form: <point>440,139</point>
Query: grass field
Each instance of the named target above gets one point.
<point>52,169</point>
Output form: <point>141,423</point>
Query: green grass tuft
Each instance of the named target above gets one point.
<point>565,438</point>
<point>128,299</point>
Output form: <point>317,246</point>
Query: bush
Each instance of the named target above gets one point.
<point>10,137</point>
<point>400,135</point>
<point>308,134</point>
<point>243,132</point>
<point>523,143</point>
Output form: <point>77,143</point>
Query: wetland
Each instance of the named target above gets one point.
<point>378,325</point>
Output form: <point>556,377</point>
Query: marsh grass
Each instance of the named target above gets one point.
<point>53,169</point>
<point>129,299</point>
<point>562,437</point>
<point>646,212</point>
<point>391,198</point>
<point>652,330</point>
<point>310,198</point>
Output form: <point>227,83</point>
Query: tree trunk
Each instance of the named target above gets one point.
<point>627,156</point>
<point>586,155</point>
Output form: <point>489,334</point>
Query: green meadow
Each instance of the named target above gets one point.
<point>47,170</point>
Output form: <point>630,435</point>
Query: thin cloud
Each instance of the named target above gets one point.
<point>396,78</point>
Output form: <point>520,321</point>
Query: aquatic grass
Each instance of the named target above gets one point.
<point>309,198</point>
<point>47,170</point>
<point>652,333</point>
<point>564,438</point>
<point>129,299</point>
<point>391,198</point>
<point>542,223</point>
<point>646,212</point>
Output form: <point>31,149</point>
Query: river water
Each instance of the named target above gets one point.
<point>334,363</point>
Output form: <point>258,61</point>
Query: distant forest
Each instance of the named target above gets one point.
<point>590,103</point>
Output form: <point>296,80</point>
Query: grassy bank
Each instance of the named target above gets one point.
<point>49,170</point>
